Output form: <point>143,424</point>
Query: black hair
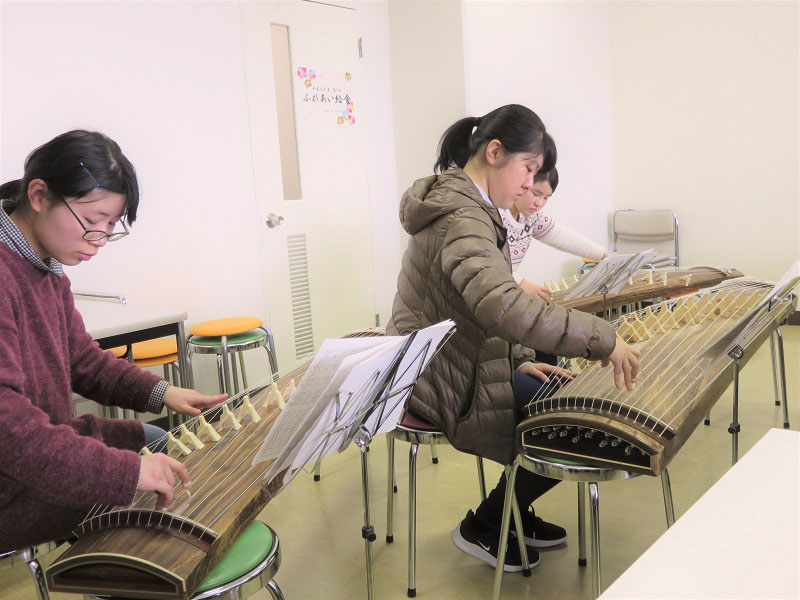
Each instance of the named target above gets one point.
<point>516,127</point>
<point>72,165</point>
<point>550,177</point>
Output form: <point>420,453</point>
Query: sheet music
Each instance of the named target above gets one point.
<point>309,437</point>
<point>318,376</point>
<point>347,384</point>
<point>610,275</point>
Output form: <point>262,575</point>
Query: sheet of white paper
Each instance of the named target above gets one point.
<point>318,376</point>
<point>307,442</point>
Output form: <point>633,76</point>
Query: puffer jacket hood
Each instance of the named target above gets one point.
<point>457,267</point>
<point>432,197</point>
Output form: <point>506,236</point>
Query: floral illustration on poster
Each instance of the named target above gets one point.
<point>325,97</point>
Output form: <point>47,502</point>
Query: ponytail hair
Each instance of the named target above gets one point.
<point>517,128</point>
<point>10,190</point>
<point>75,163</point>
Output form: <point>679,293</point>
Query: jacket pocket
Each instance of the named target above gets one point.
<point>470,407</point>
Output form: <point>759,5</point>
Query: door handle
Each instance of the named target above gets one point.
<point>274,220</point>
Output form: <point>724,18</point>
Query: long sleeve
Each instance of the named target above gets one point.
<point>565,239</point>
<point>39,451</point>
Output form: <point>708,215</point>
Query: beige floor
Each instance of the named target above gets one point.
<point>319,524</point>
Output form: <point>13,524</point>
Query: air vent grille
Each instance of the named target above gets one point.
<point>301,295</point>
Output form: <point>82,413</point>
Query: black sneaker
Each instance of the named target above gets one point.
<point>482,543</point>
<point>538,532</point>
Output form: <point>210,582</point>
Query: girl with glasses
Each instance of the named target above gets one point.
<point>78,192</point>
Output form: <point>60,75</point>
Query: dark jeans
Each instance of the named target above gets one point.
<point>528,486</point>
<point>153,433</point>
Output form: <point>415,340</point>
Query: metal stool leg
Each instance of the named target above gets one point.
<point>242,369</point>
<point>234,368</point>
<point>173,380</point>
<point>274,590</point>
<point>581,524</point>
<point>668,506</point>
<point>434,456</point>
<point>505,526</point>
<point>223,340</point>
<point>774,369</point>
<point>783,378</point>
<point>481,478</point>
<point>272,353</point>
<point>390,491</point>
<point>523,551</point>
<point>38,576</point>
<point>594,501</point>
<point>220,376</point>
<point>412,520</point>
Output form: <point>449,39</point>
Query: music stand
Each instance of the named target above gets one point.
<point>373,407</point>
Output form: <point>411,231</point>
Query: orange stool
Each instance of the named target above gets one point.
<point>152,353</point>
<point>228,338</point>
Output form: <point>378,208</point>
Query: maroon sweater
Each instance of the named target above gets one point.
<point>54,467</point>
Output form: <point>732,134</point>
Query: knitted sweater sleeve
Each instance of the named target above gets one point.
<point>53,460</point>
<point>99,375</point>
<point>565,239</point>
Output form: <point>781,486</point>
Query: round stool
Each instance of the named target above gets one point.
<point>415,431</point>
<point>30,556</point>
<point>232,336</point>
<point>566,470</point>
<point>247,567</point>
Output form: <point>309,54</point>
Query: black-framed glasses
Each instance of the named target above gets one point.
<point>95,235</point>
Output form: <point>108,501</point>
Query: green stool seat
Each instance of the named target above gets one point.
<point>228,350</point>
<point>247,567</point>
<point>239,338</point>
<point>247,552</point>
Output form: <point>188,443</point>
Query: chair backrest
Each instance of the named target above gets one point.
<point>637,230</point>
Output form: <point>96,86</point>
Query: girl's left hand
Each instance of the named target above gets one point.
<point>543,370</point>
<point>190,402</point>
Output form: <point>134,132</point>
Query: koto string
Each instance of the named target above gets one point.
<point>595,381</point>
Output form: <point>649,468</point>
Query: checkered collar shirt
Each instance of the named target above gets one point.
<point>12,237</point>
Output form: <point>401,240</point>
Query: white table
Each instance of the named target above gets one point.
<point>114,325</point>
<point>741,539</point>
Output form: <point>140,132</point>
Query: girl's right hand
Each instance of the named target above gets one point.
<point>158,475</point>
<point>625,359</point>
<point>536,290</point>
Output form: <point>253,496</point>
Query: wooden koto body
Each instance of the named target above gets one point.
<point>644,286</point>
<point>137,552</point>
<point>589,421</point>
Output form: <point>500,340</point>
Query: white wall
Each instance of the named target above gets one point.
<point>379,136</point>
<point>427,82</point>
<point>554,58</point>
<point>706,120</point>
<point>167,81</point>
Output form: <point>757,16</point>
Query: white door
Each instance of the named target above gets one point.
<point>317,247</point>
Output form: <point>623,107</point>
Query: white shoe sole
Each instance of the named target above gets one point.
<point>481,554</point>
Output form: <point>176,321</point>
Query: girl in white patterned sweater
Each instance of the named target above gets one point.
<point>524,223</point>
